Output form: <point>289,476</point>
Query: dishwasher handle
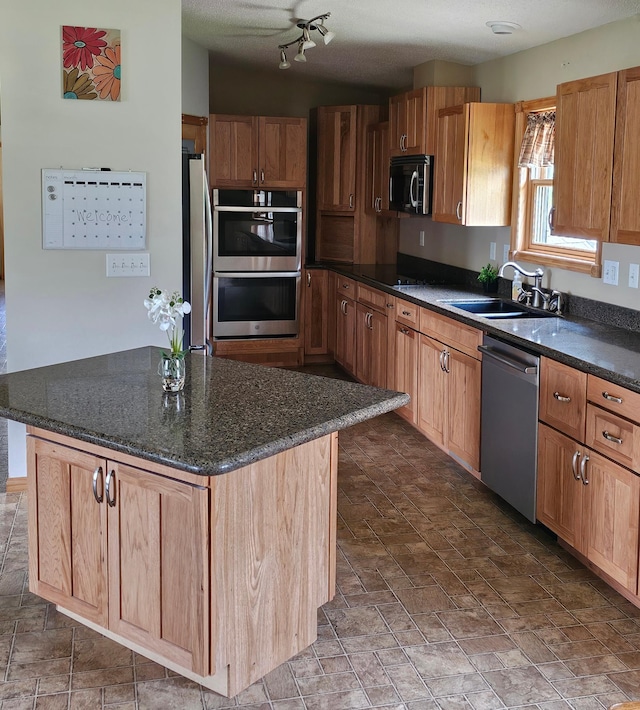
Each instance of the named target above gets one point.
<point>509,362</point>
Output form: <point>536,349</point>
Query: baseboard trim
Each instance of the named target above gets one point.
<point>17,484</point>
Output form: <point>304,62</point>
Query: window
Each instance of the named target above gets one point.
<point>532,239</point>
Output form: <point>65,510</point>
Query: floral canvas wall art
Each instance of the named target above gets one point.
<point>91,68</point>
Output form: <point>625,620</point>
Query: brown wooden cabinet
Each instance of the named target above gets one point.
<point>123,548</point>
<point>412,116</point>
<point>473,170</point>
<point>371,345</point>
<point>583,163</point>
<point>377,169</point>
<point>316,311</point>
<point>345,352</point>
<point>563,397</point>
<point>345,231</point>
<point>406,369</point>
<point>258,151</point>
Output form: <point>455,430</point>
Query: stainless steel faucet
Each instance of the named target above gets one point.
<point>536,275</point>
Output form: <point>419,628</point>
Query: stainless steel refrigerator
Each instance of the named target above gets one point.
<point>197,265</point>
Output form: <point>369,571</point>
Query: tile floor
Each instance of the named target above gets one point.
<point>447,600</point>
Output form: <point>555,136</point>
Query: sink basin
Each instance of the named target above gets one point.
<point>497,308</point>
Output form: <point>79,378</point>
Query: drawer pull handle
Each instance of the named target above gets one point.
<point>611,437</point>
<point>404,331</point>
<point>390,305</point>
<point>561,397</point>
<point>406,313</point>
<point>574,465</point>
<point>612,398</point>
<point>583,469</point>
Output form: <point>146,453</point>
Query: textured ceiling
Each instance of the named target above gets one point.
<point>378,42</point>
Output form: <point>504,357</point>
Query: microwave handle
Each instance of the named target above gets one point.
<point>255,274</point>
<point>414,179</point>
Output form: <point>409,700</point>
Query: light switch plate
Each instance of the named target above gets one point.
<point>505,253</point>
<point>119,265</point>
<point>633,275</point>
<point>422,237</point>
<point>492,251</point>
<point>610,275</point>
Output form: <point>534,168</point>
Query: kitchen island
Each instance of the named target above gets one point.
<point>197,528</point>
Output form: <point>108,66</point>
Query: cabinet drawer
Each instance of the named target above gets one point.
<point>613,397</point>
<point>374,298</point>
<point>407,313</point>
<point>563,397</point>
<point>346,286</point>
<point>450,332</point>
<point>613,436</point>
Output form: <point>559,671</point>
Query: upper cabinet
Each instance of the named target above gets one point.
<point>377,195</point>
<point>412,116</point>
<point>345,229</point>
<point>583,164</point>
<point>474,164</point>
<point>258,151</point>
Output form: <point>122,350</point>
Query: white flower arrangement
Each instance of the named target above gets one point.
<point>165,309</point>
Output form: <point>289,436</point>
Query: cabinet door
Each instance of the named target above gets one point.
<point>415,121</point>
<point>67,529</point>
<point>234,151</point>
<point>316,312</point>
<point>397,122</point>
<point>282,152</point>
<point>432,401</point>
<point>363,344</point>
<point>377,196</point>
<point>406,370</point>
<point>585,123</point>
<point>610,523</point>
<point>158,565</point>
<point>625,206</point>
<point>463,415</point>
<point>449,172</point>
<point>346,333</point>
<point>559,487</point>
<point>337,158</point>
<point>371,344</point>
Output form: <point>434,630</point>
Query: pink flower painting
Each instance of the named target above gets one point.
<point>91,67</point>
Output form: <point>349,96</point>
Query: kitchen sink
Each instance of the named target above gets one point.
<point>497,308</point>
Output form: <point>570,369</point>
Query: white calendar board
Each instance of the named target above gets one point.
<point>93,209</point>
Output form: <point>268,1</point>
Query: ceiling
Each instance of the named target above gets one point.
<point>378,42</point>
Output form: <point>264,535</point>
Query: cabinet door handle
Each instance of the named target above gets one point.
<point>255,176</point>
<point>390,305</point>
<point>308,278</point>
<point>406,313</point>
<point>583,469</point>
<point>459,211</point>
<point>111,493</point>
<point>574,465</point>
<point>561,397</point>
<point>370,321</point>
<point>443,367</point>
<point>552,214</point>
<point>351,200</point>
<point>345,285</point>
<point>262,175</point>
<point>98,473</point>
<point>404,331</point>
<point>447,355</point>
<point>611,437</point>
<point>612,398</point>
<point>403,142</point>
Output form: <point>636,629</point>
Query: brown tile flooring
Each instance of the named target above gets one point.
<point>447,599</point>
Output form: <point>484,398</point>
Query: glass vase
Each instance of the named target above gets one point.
<point>172,370</point>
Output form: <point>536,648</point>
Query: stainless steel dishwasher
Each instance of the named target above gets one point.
<point>509,423</point>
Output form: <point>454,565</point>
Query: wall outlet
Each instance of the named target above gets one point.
<point>505,253</point>
<point>492,251</point>
<point>422,237</point>
<point>633,275</point>
<point>119,265</point>
<point>611,269</point>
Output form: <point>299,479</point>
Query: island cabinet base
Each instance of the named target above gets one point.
<point>217,577</point>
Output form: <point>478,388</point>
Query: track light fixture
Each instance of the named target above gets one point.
<point>304,41</point>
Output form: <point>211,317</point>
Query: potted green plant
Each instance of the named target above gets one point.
<point>488,277</point>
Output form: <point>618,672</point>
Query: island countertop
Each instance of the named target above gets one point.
<point>230,414</point>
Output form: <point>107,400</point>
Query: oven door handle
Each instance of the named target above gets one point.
<point>255,208</point>
<point>255,274</point>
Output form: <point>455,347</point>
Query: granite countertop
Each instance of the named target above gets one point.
<point>230,413</point>
<point>607,351</point>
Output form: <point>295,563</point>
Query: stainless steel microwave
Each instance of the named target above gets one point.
<point>411,184</point>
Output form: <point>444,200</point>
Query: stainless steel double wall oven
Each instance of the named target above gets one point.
<point>257,257</point>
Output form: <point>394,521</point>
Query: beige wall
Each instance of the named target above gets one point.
<point>242,90</point>
<point>60,305</point>
<point>195,78</point>
<point>527,75</point>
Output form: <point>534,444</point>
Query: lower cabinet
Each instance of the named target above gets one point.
<point>406,369</point>
<point>371,346</point>
<point>449,384</point>
<point>94,529</point>
<point>592,503</point>
<point>345,352</point>
<point>316,309</point>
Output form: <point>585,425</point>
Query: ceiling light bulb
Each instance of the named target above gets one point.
<point>300,55</point>
<point>284,63</point>
<point>327,35</point>
<point>307,42</point>
<point>498,27</point>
